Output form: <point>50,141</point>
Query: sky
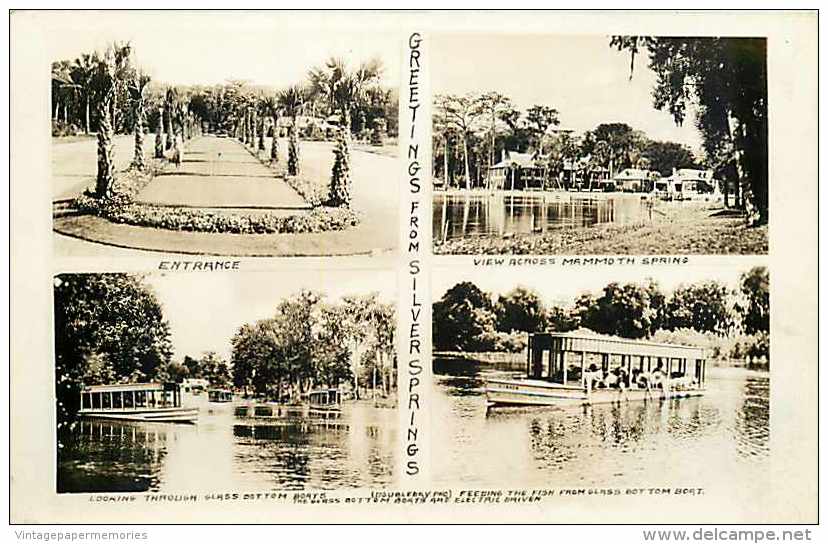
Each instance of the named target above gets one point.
<point>581,76</point>
<point>560,286</point>
<point>205,309</point>
<point>208,48</point>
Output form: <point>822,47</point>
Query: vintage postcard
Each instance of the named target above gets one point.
<point>413,267</point>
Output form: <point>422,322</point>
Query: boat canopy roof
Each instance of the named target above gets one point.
<point>589,341</point>
<point>120,387</point>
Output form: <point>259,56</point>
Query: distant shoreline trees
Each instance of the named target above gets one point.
<point>309,342</point>
<point>471,132</point>
<point>469,319</point>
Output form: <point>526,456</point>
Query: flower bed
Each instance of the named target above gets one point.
<point>313,193</point>
<point>121,209</point>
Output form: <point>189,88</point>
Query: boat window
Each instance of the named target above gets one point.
<point>106,401</point>
<point>96,400</point>
<point>117,400</point>
<point>128,399</point>
<point>140,399</point>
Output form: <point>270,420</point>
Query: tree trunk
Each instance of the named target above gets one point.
<point>466,160</point>
<point>159,135</point>
<point>114,110</point>
<point>340,188</point>
<point>138,158</point>
<point>87,114</point>
<point>169,132</point>
<point>293,151</point>
<point>262,134</point>
<point>274,143</point>
<point>445,161</point>
<point>105,178</point>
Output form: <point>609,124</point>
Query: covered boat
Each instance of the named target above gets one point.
<point>583,367</point>
<point>136,402</point>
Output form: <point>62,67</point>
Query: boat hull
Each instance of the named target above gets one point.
<point>539,393</point>
<point>167,415</point>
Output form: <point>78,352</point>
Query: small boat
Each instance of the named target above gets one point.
<point>219,395</point>
<point>629,370</point>
<point>136,402</point>
<point>325,400</point>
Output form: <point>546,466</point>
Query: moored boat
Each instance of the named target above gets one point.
<point>583,367</point>
<point>325,400</point>
<point>136,402</point>
<point>219,395</point>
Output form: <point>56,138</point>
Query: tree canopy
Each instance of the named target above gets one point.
<point>108,328</point>
<point>726,80</point>
<point>309,342</point>
<point>466,319</point>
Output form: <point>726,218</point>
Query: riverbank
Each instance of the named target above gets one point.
<point>676,228</point>
<point>517,361</point>
<point>547,196</point>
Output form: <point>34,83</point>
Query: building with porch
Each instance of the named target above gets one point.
<point>635,180</point>
<point>518,171</point>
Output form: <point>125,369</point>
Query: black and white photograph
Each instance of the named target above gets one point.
<point>422,267</point>
<point>599,145</point>
<point>579,380</point>
<point>174,383</point>
<point>229,136</point>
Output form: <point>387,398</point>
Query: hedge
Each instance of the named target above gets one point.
<point>121,209</point>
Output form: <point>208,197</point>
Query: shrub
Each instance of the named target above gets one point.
<point>61,128</point>
<point>510,342</point>
<point>376,137</point>
<point>735,346</point>
<point>313,193</point>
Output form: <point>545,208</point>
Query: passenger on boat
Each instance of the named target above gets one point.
<point>684,383</point>
<point>657,378</point>
<point>593,377</point>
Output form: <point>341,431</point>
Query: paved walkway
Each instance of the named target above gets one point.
<point>75,163</point>
<point>220,173</point>
<point>233,181</point>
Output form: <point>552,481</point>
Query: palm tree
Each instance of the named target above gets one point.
<point>290,100</point>
<point>270,107</point>
<point>170,100</point>
<point>104,85</point>
<point>159,134</point>
<point>137,87</point>
<point>82,73</point>
<point>123,54</point>
<point>61,81</point>
<point>345,91</point>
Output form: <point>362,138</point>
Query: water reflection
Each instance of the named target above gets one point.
<point>224,452</point>
<point>458,216</point>
<point>682,442</point>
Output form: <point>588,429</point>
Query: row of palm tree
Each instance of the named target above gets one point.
<point>111,86</point>
<point>332,88</point>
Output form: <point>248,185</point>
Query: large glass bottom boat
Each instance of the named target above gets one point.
<point>136,402</point>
